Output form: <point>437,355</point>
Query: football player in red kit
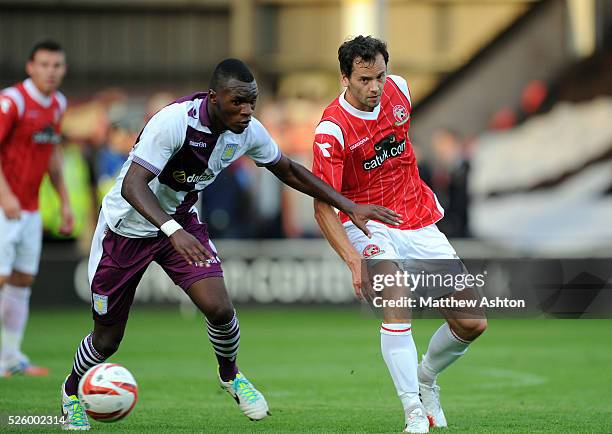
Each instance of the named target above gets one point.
<point>362,149</point>
<point>30,114</point>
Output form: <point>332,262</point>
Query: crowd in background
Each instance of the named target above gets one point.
<point>245,201</point>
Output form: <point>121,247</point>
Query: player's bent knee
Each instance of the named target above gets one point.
<point>106,339</point>
<point>106,345</point>
<point>221,315</point>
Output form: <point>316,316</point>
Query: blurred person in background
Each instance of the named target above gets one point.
<point>103,146</point>
<point>112,149</point>
<point>157,102</point>
<point>30,115</point>
<point>292,120</point>
<point>227,205</point>
<point>449,179</point>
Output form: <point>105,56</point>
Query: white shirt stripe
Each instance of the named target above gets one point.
<point>331,129</point>
<point>16,97</point>
<point>402,84</point>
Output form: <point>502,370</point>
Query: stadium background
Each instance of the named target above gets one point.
<point>511,123</point>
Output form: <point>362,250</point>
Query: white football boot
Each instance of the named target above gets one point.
<point>430,397</point>
<point>73,413</point>
<point>250,400</point>
<point>416,420</point>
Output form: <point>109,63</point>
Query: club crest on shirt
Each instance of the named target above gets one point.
<point>229,151</point>
<point>100,303</point>
<point>400,114</point>
<point>371,250</point>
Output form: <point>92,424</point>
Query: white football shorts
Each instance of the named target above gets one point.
<point>424,250</point>
<point>391,243</point>
<point>20,243</point>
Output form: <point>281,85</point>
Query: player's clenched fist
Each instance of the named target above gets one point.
<point>191,249</point>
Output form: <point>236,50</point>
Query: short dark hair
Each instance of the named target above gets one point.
<point>230,68</point>
<point>365,47</point>
<point>47,44</point>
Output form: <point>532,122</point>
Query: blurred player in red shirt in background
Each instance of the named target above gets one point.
<point>30,114</point>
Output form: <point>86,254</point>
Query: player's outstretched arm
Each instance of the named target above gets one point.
<point>297,176</point>
<point>56,176</point>
<point>135,190</point>
<point>332,229</point>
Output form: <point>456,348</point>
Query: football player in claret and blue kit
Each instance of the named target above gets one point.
<point>149,215</point>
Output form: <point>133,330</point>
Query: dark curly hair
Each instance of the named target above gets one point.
<point>47,45</point>
<point>230,68</point>
<point>365,47</point>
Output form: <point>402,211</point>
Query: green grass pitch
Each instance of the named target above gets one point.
<point>322,372</point>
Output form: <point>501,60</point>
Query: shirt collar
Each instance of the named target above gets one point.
<point>373,115</point>
<point>36,94</point>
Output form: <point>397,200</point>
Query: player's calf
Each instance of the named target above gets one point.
<point>86,356</point>
<point>225,339</point>
<point>445,347</point>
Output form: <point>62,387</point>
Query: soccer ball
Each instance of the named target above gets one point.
<point>108,392</point>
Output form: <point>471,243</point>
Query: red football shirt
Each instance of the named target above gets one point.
<point>29,131</point>
<point>367,156</point>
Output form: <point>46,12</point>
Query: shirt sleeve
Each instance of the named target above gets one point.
<point>328,150</point>
<point>8,116</point>
<point>62,102</point>
<point>402,84</point>
<point>262,149</point>
<point>163,135</point>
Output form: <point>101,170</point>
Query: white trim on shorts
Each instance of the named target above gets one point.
<point>95,253</point>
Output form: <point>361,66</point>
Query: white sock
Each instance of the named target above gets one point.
<point>14,310</point>
<point>444,348</point>
<point>401,357</point>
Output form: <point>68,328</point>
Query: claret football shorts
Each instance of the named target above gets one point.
<point>117,263</point>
